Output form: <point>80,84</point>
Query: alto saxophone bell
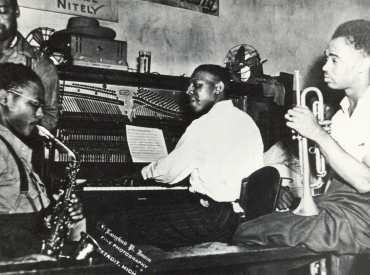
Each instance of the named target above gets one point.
<point>86,246</point>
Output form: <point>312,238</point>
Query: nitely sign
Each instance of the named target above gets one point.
<point>83,8</point>
<point>99,9</point>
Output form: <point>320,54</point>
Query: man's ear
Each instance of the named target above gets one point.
<point>3,97</point>
<point>17,12</point>
<point>220,86</point>
<point>364,64</point>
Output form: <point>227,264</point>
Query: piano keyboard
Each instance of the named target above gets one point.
<point>133,188</point>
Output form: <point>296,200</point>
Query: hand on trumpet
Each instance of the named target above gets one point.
<point>302,120</point>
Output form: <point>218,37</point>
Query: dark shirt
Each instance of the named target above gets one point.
<point>21,52</point>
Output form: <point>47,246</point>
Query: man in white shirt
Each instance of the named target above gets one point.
<point>216,152</point>
<point>343,222</point>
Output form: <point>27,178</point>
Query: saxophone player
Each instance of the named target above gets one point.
<point>23,198</point>
<point>342,224</point>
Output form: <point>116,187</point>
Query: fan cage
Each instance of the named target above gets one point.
<point>39,37</point>
<point>243,62</point>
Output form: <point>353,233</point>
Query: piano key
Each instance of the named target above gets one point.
<point>132,188</point>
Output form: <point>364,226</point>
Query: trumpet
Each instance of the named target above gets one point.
<point>307,206</point>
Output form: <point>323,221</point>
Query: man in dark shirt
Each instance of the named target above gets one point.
<point>15,49</point>
<point>23,199</point>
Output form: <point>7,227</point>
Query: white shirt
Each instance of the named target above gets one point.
<point>353,132</point>
<point>217,150</point>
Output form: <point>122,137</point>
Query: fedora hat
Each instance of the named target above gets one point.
<point>80,26</point>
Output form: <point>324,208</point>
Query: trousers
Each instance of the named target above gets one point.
<point>183,223</point>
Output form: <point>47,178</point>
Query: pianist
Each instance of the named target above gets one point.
<point>216,152</point>
<point>23,199</point>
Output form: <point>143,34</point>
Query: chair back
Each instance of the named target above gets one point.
<point>259,193</point>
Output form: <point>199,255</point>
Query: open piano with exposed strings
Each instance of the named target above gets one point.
<point>97,104</point>
<point>92,123</point>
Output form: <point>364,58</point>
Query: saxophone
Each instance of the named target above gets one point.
<point>60,222</point>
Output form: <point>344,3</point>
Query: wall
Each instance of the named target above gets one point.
<point>291,34</point>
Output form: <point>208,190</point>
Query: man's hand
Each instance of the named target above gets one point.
<point>75,209</point>
<point>128,180</point>
<point>304,122</point>
<point>285,198</point>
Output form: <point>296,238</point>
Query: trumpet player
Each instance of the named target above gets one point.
<point>342,224</point>
<point>23,199</point>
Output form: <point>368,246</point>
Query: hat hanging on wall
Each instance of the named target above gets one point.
<point>80,26</point>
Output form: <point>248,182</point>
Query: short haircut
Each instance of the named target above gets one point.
<point>356,33</point>
<point>14,3</point>
<point>218,72</point>
<point>14,76</point>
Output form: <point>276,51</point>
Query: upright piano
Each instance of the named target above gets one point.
<point>96,105</point>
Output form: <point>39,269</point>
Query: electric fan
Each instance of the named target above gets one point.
<point>243,62</point>
<point>39,37</point>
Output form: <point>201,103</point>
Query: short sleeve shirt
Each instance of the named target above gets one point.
<point>353,132</point>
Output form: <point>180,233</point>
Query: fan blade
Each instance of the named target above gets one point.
<point>252,61</point>
<point>239,56</point>
<point>234,65</point>
<point>237,67</point>
<point>37,35</point>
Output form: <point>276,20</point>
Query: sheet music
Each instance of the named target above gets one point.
<point>145,144</point>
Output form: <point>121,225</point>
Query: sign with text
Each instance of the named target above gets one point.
<point>99,9</point>
<point>126,256</point>
<point>204,6</point>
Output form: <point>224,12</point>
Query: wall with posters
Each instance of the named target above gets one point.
<point>290,34</point>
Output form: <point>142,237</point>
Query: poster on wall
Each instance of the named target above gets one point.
<point>204,6</point>
<point>99,9</point>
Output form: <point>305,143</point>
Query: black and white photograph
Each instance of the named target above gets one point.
<point>185,137</point>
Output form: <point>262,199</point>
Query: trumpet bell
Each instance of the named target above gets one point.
<point>308,208</point>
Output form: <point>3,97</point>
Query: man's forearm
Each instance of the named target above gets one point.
<point>354,172</point>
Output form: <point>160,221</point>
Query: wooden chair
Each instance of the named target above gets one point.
<point>259,193</point>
